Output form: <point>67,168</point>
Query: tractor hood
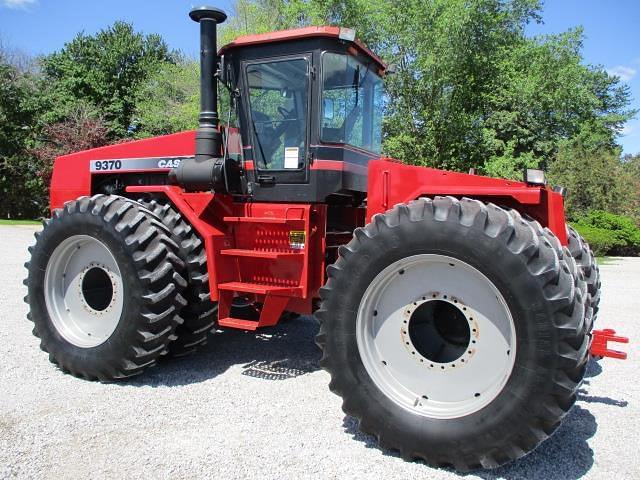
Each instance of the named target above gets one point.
<point>72,174</point>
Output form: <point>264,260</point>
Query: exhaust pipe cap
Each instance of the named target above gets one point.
<point>207,13</point>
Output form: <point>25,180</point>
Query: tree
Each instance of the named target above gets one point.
<point>18,171</point>
<point>169,101</point>
<point>103,71</point>
<point>80,130</point>
<point>631,172</point>
<point>472,90</point>
<point>594,178</point>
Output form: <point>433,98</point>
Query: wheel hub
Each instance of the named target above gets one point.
<point>83,291</point>
<point>436,336</point>
<point>438,332</point>
<point>98,288</point>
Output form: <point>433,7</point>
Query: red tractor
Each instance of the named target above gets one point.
<point>455,310</point>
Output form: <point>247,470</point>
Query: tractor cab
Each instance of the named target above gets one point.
<point>308,104</point>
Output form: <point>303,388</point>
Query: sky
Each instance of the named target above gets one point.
<point>43,26</point>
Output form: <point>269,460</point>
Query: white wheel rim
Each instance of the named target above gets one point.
<point>83,291</point>
<point>396,335</point>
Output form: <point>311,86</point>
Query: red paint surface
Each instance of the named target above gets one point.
<point>248,244</point>
<point>71,176</point>
<point>600,344</point>
<point>391,182</point>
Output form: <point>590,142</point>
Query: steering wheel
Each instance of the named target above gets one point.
<point>286,114</point>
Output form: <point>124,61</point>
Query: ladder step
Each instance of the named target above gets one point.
<point>259,288</point>
<point>272,220</point>
<point>239,252</point>
<point>238,323</point>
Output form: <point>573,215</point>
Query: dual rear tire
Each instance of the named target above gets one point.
<point>454,332</point>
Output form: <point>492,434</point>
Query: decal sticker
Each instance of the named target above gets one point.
<point>291,156</point>
<point>135,164</point>
<point>297,239</point>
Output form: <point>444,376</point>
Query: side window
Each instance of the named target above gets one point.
<point>279,97</point>
<point>352,102</point>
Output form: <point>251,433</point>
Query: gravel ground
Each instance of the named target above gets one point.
<point>258,406</point>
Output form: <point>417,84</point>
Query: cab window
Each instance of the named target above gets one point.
<point>352,102</point>
<point>278,98</point>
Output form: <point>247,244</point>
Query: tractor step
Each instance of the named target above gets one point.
<point>259,289</point>
<point>239,252</point>
<point>271,220</point>
<point>238,323</point>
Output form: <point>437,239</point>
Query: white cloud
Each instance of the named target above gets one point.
<point>626,130</point>
<point>625,73</point>
<point>18,4</point>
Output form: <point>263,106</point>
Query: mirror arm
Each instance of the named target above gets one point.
<point>234,92</point>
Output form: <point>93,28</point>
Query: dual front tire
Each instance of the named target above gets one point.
<point>96,262</point>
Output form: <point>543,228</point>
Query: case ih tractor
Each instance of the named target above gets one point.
<point>455,310</point>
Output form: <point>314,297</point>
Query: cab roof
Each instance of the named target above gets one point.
<point>300,33</point>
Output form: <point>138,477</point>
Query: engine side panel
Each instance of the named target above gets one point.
<point>72,174</point>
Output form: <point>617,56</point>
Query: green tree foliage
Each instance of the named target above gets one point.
<point>103,71</point>
<point>631,176</point>
<point>471,90</point>
<point>610,234</point>
<point>18,172</point>
<point>595,180</point>
<point>169,101</point>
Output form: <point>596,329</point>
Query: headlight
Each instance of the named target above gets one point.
<point>347,34</point>
<point>533,176</point>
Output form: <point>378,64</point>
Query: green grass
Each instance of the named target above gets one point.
<point>5,221</point>
<point>605,260</point>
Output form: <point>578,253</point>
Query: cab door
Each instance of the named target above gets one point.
<point>277,105</point>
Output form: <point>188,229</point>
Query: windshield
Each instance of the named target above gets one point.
<point>352,102</point>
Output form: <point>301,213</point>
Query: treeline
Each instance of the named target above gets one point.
<point>470,89</point>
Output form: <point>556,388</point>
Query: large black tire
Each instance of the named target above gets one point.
<point>586,261</point>
<point>151,279</point>
<point>564,254</point>
<point>200,313</point>
<point>539,289</point>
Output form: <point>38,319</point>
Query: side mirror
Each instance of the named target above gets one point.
<point>327,109</point>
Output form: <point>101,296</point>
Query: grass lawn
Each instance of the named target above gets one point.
<point>605,260</point>
<point>4,221</point>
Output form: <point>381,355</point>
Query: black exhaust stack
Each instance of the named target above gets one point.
<point>205,171</point>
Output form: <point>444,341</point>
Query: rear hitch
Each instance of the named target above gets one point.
<point>599,344</point>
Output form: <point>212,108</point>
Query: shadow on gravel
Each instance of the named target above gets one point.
<point>593,370</point>
<point>285,351</point>
<point>564,456</point>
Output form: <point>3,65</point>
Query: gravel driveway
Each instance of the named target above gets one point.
<point>258,406</point>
